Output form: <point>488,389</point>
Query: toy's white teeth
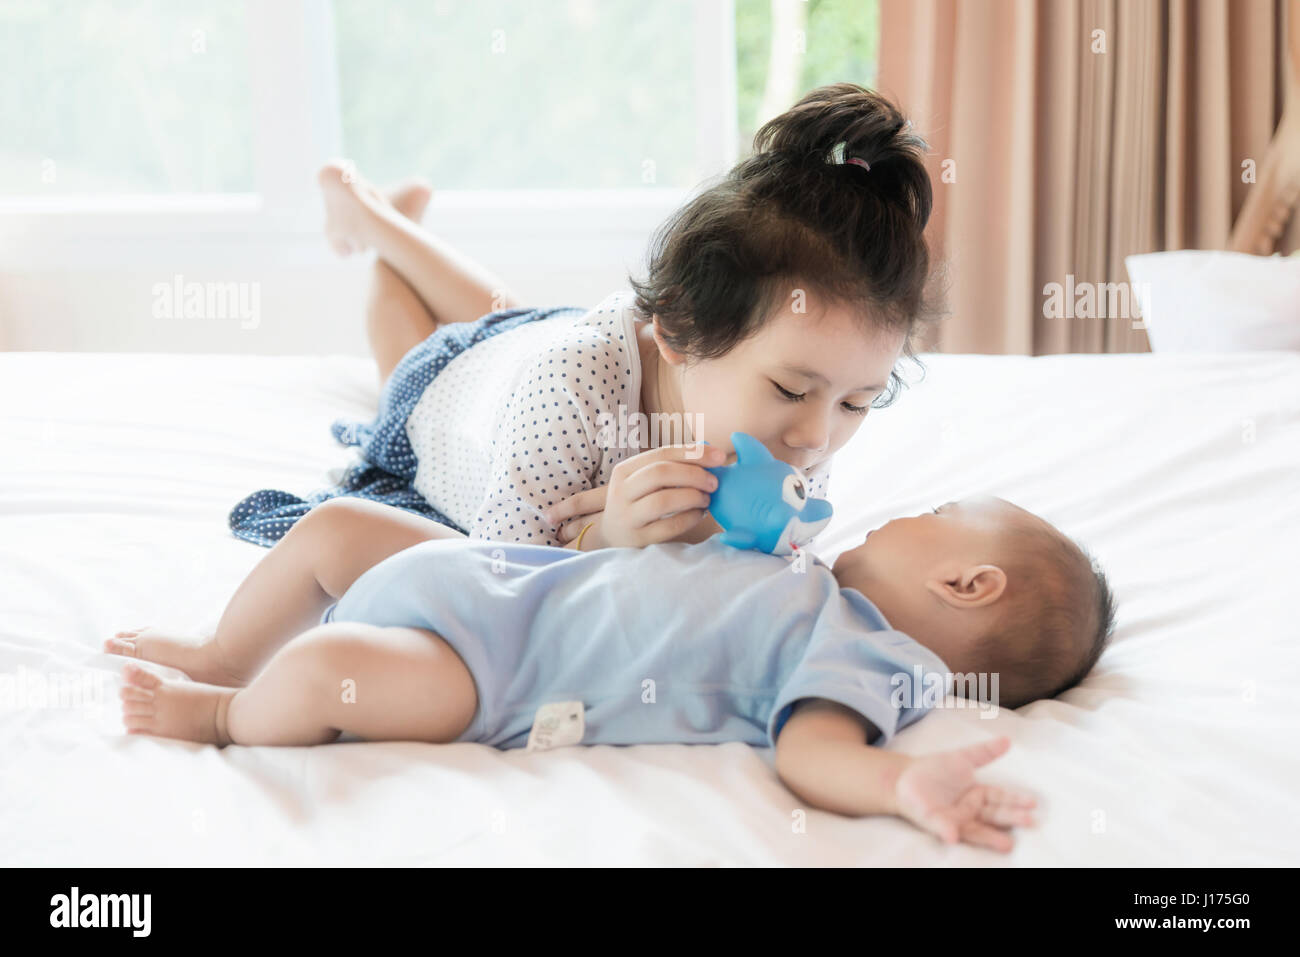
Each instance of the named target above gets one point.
<point>796,532</point>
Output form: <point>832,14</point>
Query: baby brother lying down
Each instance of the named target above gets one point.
<point>513,645</point>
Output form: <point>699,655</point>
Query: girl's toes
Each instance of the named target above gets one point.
<point>134,693</point>
<point>410,197</point>
<point>336,171</point>
<point>118,646</point>
<point>141,678</point>
<point>341,246</point>
<point>137,724</point>
<point>138,709</point>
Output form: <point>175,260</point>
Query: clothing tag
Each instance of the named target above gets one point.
<point>557,724</point>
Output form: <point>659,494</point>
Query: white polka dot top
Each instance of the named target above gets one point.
<point>522,421</point>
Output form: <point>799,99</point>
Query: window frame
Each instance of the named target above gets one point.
<point>297,124</point>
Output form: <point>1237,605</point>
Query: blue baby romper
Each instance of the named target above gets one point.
<point>687,643</point>
<point>389,463</point>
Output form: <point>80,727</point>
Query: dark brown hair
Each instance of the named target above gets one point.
<point>797,214</point>
<point>1060,617</point>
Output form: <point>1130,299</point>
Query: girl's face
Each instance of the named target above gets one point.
<point>801,385</point>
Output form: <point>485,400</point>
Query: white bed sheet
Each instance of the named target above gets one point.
<point>1181,473</point>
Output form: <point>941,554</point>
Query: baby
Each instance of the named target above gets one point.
<point>514,645</point>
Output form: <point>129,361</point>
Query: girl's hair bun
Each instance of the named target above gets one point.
<point>841,121</point>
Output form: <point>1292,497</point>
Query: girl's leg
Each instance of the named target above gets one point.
<point>452,286</point>
<point>396,318</point>
<point>288,590</point>
<point>381,684</point>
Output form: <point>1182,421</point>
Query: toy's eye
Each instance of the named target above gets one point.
<point>792,491</point>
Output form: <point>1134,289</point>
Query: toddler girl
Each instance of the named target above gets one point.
<point>777,302</point>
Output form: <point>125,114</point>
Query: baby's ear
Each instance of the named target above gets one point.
<point>983,584</point>
<point>976,587</point>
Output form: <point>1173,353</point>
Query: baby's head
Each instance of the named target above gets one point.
<point>989,588</point>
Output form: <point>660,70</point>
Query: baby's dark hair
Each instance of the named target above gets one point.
<point>797,215</point>
<point>1059,617</point>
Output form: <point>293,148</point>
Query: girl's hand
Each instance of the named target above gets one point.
<point>939,793</point>
<point>576,511</point>
<point>651,497</point>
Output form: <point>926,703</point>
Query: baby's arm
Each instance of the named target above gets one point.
<point>823,756</point>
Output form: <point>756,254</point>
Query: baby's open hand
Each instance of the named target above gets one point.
<point>939,793</point>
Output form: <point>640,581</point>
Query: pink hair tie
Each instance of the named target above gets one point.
<point>860,162</point>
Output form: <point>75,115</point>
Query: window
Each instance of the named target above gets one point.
<point>145,96</point>
<point>786,47</point>
<point>133,121</point>
<point>578,94</point>
<point>149,97</point>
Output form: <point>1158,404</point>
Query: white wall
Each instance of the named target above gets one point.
<point>94,288</point>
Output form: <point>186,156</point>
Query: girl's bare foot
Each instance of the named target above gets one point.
<point>174,709</point>
<point>410,197</point>
<point>200,658</point>
<point>350,201</point>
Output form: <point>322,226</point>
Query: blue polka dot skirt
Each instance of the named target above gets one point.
<point>389,463</point>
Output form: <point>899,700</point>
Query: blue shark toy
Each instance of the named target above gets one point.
<point>762,503</point>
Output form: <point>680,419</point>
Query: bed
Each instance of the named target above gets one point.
<point>1180,473</point>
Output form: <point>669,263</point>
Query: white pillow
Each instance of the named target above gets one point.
<point>1198,300</point>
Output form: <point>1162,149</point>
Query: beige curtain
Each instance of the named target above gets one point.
<point>1068,134</point>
